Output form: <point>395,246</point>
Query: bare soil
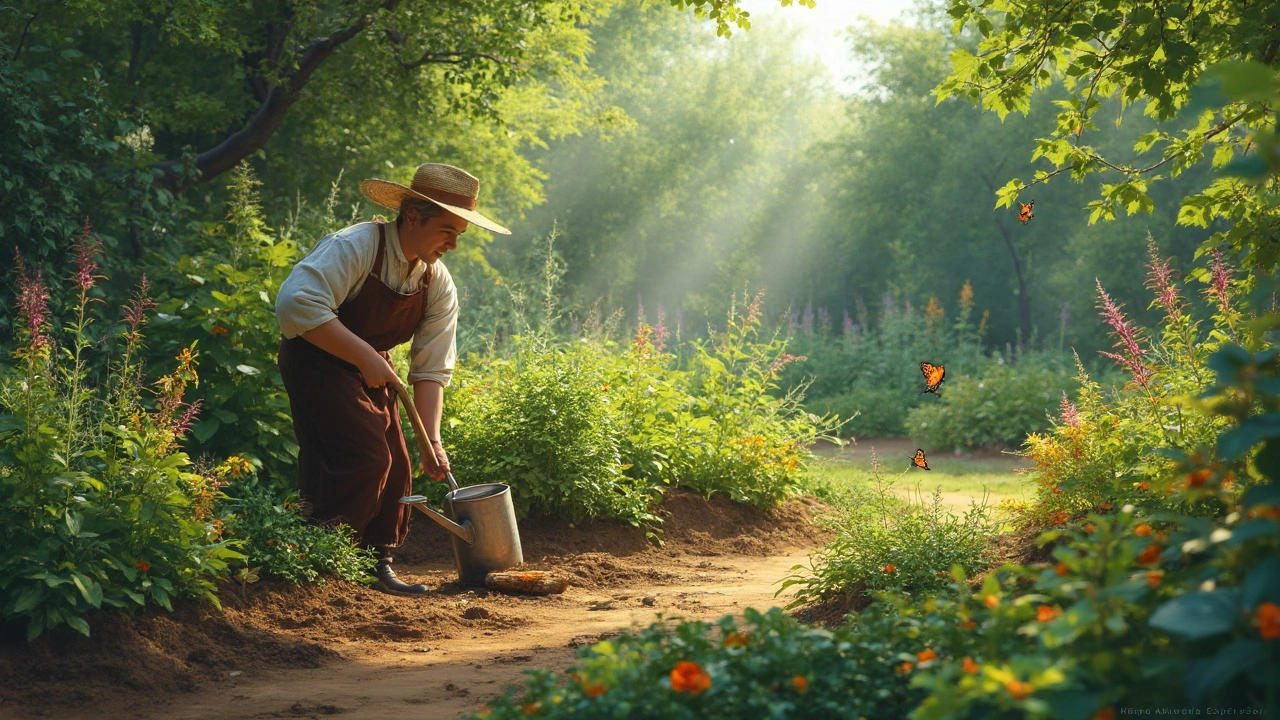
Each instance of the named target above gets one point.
<point>277,650</point>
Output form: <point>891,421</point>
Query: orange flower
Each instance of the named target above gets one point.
<point>1143,486</point>
<point>1162,537</point>
<point>1047,613</point>
<point>594,690</point>
<point>968,624</point>
<point>1153,578</point>
<point>1060,568</point>
<point>800,684</point>
<point>1196,478</point>
<point>1105,506</point>
<point>271,542</point>
<point>1228,481</point>
<point>531,708</point>
<point>905,668</point>
<point>1090,527</point>
<point>926,655</point>
<point>219,330</point>
<point>1059,518</point>
<point>1267,620</point>
<point>890,568</point>
<point>969,666</point>
<point>606,388</point>
<point>1017,689</point>
<point>1057,490</point>
<point>735,639</point>
<point>943,574</point>
<point>1149,554</point>
<point>1143,530</point>
<point>1106,713</point>
<point>142,565</point>
<point>991,601</point>
<point>688,677</point>
<point>1266,512</point>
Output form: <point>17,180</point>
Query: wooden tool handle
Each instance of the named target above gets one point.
<point>419,431</point>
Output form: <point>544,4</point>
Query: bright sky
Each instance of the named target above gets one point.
<point>825,24</point>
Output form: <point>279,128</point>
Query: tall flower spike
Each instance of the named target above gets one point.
<point>32,294</point>
<point>1220,280</point>
<point>85,248</point>
<point>1070,414</point>
<point>1160,280</point>
<point>1131,355</point>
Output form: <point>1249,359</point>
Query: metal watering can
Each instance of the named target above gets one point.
<point>481,518</point>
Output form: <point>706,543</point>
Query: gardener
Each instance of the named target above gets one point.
<point>360,292</point>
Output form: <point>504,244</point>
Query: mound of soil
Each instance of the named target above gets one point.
<point>271,624</point>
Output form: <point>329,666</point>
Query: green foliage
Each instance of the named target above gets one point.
<point>98,505</point>
<point>883,543</point>
<point>539,420</point>
<point>280,541</point>
<point>995,410</point>
<point>221,296</point>
<point>1210,65</point>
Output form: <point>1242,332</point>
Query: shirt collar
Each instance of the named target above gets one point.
<point>393,238</point>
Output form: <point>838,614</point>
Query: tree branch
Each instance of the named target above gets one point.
<point>451,57</point>
<point>270,114</point>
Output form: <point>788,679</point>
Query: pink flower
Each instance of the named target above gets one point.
<point>753,310</point>
<point>1070,414</point>
<point>1128,340</point>
<point>847,326</point>
<point>183,423</point>
<point>85,248</point>
<point>32,294</point>
<point>660,333</point>
<point>1220,279</point>
<point>1160,279</point>
<point>138,306</point>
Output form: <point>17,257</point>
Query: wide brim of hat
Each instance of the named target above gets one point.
<point>389,195</point>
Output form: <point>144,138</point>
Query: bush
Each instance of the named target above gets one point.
<point>98,505</point>
<point>996,409</point>
<point>539,422</point>
<point>869,411</point>
<point>276,537</point>
<point>883,543</point>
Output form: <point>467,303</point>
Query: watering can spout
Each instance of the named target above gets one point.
<point>463,531</point>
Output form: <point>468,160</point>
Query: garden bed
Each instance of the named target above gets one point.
<point>273,627</point>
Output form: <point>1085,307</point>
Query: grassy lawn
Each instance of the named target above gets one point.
<point>962,478</point>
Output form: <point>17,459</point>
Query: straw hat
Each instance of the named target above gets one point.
<point>449,187</point>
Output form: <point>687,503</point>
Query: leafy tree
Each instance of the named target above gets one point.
<point>1209,65</point>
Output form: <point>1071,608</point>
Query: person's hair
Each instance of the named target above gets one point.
<point>426,209</point>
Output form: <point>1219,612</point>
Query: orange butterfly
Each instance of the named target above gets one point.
<point>933,377</point>
<point>918,460</point>
<point>1025,212</point>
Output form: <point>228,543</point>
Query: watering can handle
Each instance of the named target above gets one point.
<point>418,430</point>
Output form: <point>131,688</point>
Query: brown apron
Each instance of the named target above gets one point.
<point>353,465</point>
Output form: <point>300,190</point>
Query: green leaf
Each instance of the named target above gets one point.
<point>1262,584</point>
<point>1206,676</point>
<point>1243,81</point>
<point>78,624</point>
<point>1199,614</point>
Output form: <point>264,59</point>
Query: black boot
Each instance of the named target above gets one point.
<point>387,577</point>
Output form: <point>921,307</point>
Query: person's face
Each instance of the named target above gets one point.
<point>430,240</point>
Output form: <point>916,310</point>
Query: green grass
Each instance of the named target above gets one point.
<point>962,478</point>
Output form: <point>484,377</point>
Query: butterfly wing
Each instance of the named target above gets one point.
<point>1026,211</point>
<point>918,460</point>
<point>933,377</point>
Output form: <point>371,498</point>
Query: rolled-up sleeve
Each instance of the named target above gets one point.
<point>434,350</point>
<point>324,279</point>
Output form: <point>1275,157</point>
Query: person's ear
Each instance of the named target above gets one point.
<point>411,214</point>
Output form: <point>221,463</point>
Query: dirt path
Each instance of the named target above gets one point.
<point>447,677</point>
<point>277,650</point>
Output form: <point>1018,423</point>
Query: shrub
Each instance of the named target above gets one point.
<point>539,421</point>
<point>222,298</point>
<point>883,543</point>
<point>996,409</point>
<point>277,539</point>
<point>869,411</point>
<point>98,505</point>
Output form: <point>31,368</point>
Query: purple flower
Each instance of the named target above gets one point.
<point>183,423</point>
<point>806,320</point>
<point>138,306</point>
<point>660,333</point>
<point>1070,414</point>
<point>847,326</point>
<point>1127,338</point>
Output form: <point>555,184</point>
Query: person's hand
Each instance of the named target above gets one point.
<point>377,371</point>
<point>436,464</point>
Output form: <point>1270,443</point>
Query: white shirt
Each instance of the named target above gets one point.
<point>336,269</point>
